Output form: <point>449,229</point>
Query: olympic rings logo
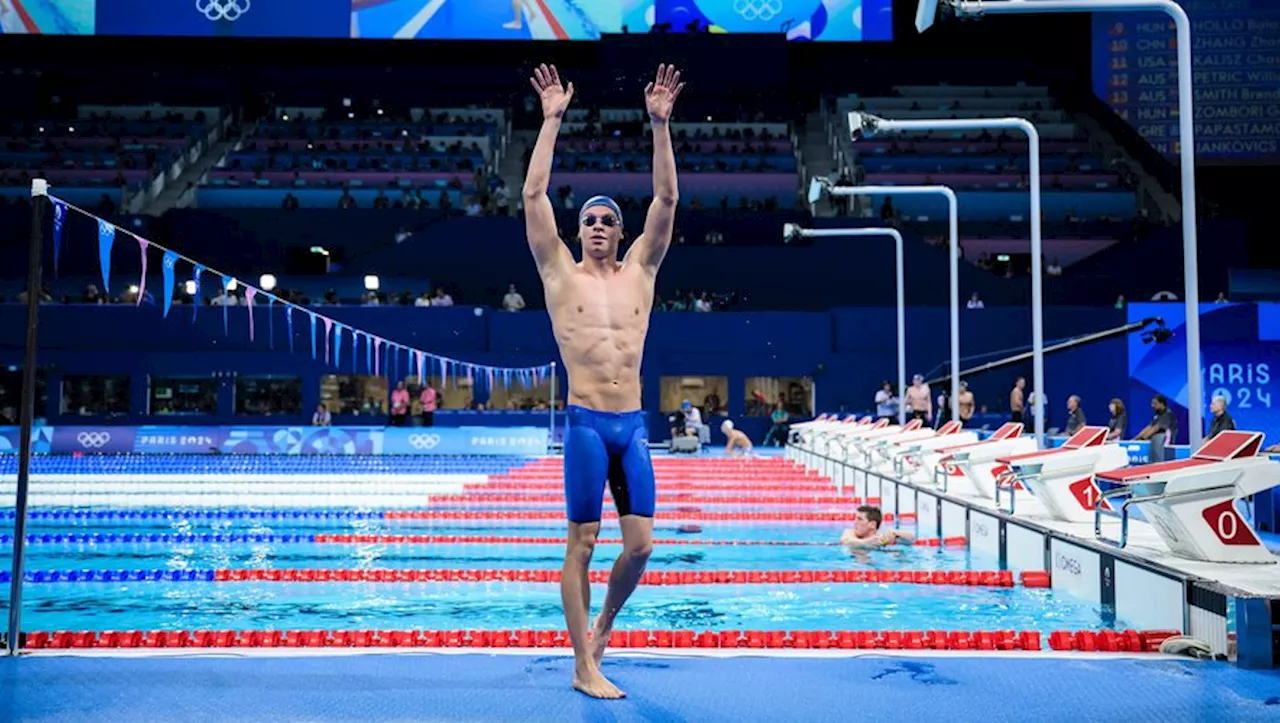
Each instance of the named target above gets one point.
<point>765,10</point>
<point>424,441</point>
<point>223,9</point>
<point>93,440</point>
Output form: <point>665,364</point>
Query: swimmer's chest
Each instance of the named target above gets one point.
<point>583,300</point>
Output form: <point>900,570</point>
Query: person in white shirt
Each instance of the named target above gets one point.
<point>322,417</point>
<point>502,200</point>
<point>424,300</point>
<point>224,299</point>
<point>702,304</point>
<point>513,301</point>
<point>441,298</point>
<point>975,302</point>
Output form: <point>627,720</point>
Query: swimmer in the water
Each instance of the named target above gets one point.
<point>738,443</point>
<point>599,310</point>
<point>866,531</point>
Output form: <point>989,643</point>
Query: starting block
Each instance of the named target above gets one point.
<point>976,461</point>
<point>878,453</point>
<point>1062,478</point>
<point>905,459</point>
<point>1191,503</point>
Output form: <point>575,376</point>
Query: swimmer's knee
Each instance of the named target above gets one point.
<point>582,541</point>
<point>638,550</point>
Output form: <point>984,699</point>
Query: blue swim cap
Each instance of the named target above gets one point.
<point>601,201</point>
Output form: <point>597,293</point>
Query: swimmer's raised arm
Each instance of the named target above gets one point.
<point>539,217</point>
<point>659,99</point>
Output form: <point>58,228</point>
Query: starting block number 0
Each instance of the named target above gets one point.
<point>1227,524</point>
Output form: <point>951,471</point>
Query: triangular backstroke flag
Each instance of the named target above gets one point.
<point>422,372</point>
<point>226,297</point>
<point>59,220</point>
<point>377,361</point>
<point>142,280</point>
<point>368,355</point>
<point>288,321</point>
<point>328,327</point>
<point>271,321</point>
<point>337,344</point>
<point>195,295</point>
<point>167,268</point>
<point>249,293</point>
<point>313,334</point>
<point>106,237</point>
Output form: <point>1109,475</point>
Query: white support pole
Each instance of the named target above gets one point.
<point>1186,154</point>
<point>1038,381</point>
<point>902,304</point>
<point>953,217</point>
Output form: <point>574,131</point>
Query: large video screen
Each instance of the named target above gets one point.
<point>1235,62</point>
<point>1240,362</point>
<point>828,20</point>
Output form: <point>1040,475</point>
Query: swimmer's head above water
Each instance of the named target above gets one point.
<point>600,227</point>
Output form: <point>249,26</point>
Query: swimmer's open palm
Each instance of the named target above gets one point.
<point>555,98</point>
<point>660,95</point>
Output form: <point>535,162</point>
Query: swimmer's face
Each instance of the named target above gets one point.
<point>863,527</point>
<point>601,231</point>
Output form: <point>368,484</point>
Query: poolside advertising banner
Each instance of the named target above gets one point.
<point>487,441</point>
<point>1239,349</point>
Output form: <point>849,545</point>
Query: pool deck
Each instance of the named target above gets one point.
<point>535,687</point>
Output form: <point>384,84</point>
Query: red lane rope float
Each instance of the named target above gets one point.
<point>529,540</point>
<point>942,542</point>
<point>1129,641</point>
<point>842,516</point>
<point>970,578</point>
<point>664,497</point>
<point>550,487</point>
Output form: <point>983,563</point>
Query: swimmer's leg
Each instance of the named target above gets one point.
<point>586,465</point>
<point>518,22</point>
<point>632,485</point>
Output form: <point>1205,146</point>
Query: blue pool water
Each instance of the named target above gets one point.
<point>206,542</point>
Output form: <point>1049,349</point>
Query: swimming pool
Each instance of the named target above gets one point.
<point>738,547</point>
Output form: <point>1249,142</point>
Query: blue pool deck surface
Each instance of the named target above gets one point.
<point>521,687</point>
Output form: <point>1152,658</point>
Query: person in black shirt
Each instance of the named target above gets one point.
<point>1075,415</point>
<point>1222,422</point>
<point>1162,430</point>
<point>1119,420</point>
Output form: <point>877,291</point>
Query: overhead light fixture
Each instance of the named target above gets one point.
<point>371,282</point>
<point>267,282</point>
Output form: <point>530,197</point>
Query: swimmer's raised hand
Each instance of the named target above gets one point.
<point>660,95</point>
<point>555,98</point>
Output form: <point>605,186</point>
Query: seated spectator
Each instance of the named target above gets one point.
<point>399,405</point>
<point>513,301</point>
<point>975,302</point>
<point>693,425</point>
<point>1075,415</point>
<point>441,298</point>
<point>777,435</point>
<point>1222,421</point>
<point>1119,420</point>
<point>321,418</point>
<point>423,300</point>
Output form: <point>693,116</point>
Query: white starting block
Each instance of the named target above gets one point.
<point>1062,478</point>
<point>811,431</point>
<point>1191,502</point>
<point>903,457</point>
<point>861,442</point>
<point>976,461</point>
<point>848,436</point>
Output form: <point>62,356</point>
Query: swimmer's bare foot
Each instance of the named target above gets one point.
<point>599,640</point>
<point>588,680</point>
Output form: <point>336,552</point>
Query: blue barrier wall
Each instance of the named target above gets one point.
<point>847,351</point>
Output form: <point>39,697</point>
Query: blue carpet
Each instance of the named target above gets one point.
<point>528,688</point>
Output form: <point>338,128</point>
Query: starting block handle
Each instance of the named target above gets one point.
<point>1013,488</point>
